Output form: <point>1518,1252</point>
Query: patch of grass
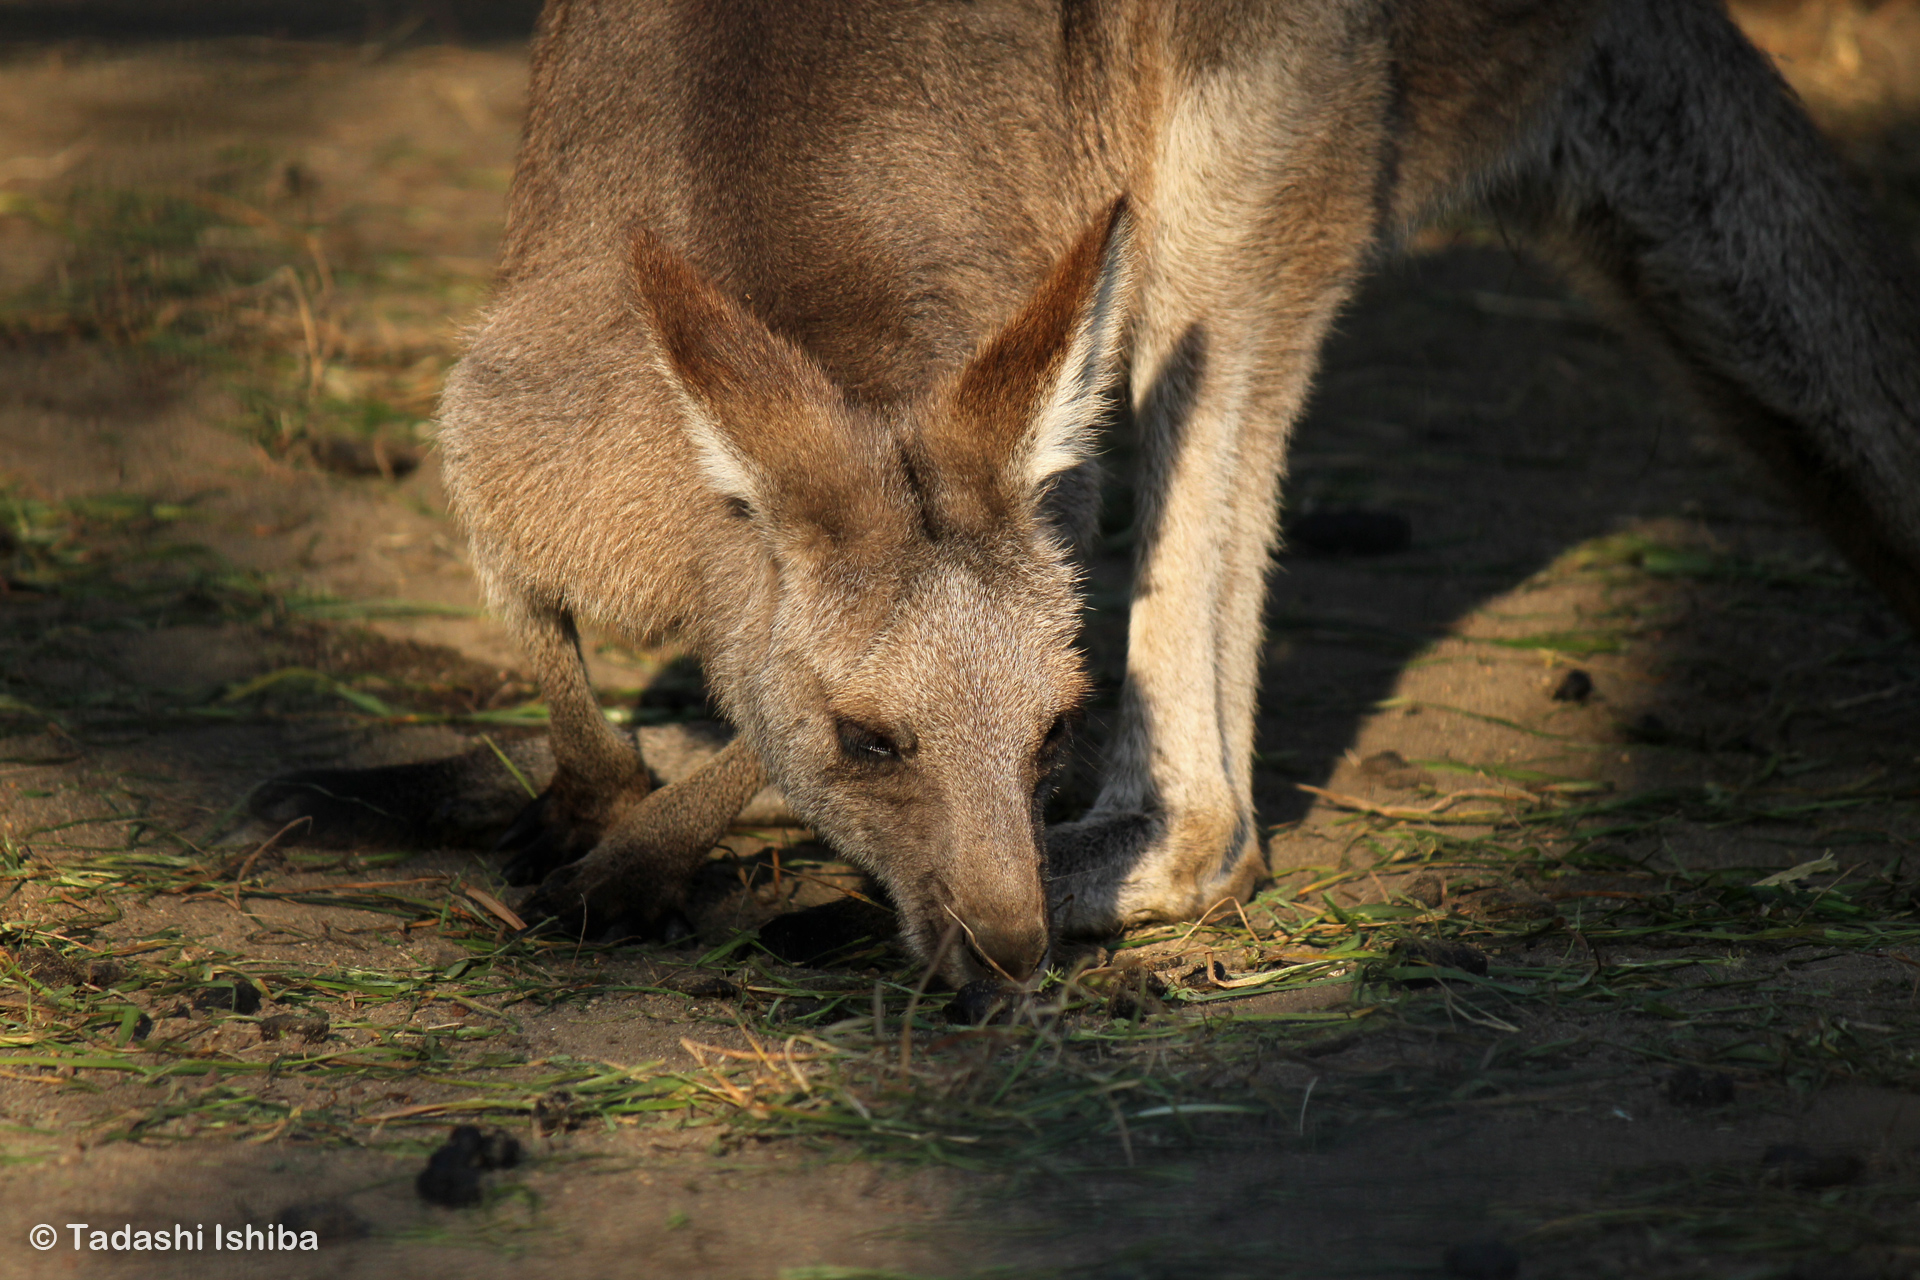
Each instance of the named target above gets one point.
<point>223,276</point>
<point>141,262</point>
<point>120,562</point>
<point>1687,968</point>
<point>1657,558</point>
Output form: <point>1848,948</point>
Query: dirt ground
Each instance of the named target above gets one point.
<point>1619,983</point>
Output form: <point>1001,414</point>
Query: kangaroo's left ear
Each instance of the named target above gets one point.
<point>1026,407</point>
<point>767,428</point>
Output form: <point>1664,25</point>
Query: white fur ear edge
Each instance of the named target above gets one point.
<point>721,464</point>
<point>724,468</point>
<point>1062,433</point>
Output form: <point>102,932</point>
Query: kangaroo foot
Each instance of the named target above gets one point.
<point>638,873</point>
<point>588,900</point>
<point>1112,871</point>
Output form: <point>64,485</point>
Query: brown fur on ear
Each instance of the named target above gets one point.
<point>768,427</point>
<point>1025,406</point>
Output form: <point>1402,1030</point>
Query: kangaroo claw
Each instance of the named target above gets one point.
<point>577,901</point>
<point>559,901</point>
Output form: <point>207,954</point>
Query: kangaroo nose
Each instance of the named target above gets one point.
<point>1013,949</point>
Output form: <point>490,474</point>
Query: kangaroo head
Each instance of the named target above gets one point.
<point>901,646</point>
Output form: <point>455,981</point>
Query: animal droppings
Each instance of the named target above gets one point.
<point>1575,686</point>
<point>1352,532</point>
<point>1483,1260</point>
<point>311,1030</point>
<point>453,1174</point>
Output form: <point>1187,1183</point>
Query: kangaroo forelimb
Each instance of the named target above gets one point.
<point>639,872</point>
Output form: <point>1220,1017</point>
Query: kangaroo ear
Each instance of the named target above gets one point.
<point>1026,407</point>
<point>763,418</point>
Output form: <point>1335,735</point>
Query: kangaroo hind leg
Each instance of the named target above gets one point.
<point>1246,278</point>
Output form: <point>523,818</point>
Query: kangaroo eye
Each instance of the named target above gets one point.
<point>869,746</point>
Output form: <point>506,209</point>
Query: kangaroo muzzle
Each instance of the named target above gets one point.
<point>1007,944</point>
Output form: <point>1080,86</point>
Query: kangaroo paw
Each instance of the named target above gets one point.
<point>639,872</point>
<point>596,897</point>
<point>1113,871</point>
<point>576,902</point>
<point>563,824</point>
<point>570,901</point>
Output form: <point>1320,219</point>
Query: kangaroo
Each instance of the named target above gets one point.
<point>809,317</point>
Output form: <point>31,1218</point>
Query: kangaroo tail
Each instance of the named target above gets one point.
<point>1678,179</point>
